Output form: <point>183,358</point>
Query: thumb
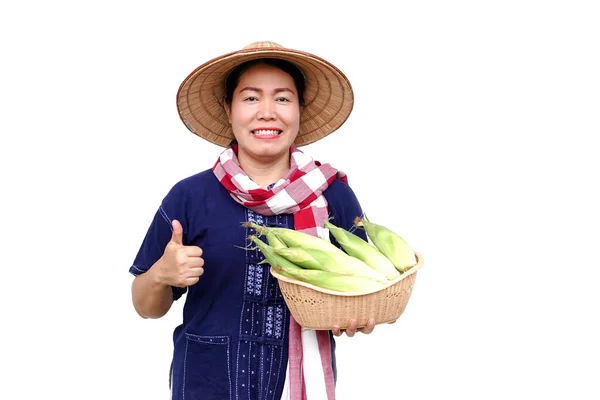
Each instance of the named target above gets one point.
<point>177,236</point>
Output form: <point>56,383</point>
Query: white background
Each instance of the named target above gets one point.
<point>472,136</point>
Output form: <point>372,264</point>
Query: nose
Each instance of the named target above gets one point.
<point>267,110</point>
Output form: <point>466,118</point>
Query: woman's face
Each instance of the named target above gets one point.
<point>264,112</point>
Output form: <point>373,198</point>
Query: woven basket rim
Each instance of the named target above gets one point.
<point>411,271</point>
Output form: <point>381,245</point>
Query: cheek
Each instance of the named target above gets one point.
<point>239,116</point>
<point>237,122</point>
<point>293,118</point>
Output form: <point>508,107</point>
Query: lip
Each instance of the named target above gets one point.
<point>266,137</point>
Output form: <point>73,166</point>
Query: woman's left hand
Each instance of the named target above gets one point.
<point>351,328</point>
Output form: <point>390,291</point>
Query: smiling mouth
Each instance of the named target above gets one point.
<point>266,132</point>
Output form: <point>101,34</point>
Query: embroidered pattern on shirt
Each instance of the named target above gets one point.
<point>254,280</point>
<point>274,322</point>
<point>260,360</point>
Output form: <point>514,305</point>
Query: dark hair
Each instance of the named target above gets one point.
<point>234,76</point>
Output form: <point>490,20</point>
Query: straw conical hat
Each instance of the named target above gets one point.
<point>328,96</point>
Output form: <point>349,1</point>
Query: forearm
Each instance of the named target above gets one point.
<point>151,299</point>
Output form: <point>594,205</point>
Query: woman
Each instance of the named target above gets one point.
<point>238,339</point>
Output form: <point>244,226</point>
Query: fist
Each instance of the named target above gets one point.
<point>180,265</point>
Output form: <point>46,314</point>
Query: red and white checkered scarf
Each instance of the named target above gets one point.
<point>299,193</point>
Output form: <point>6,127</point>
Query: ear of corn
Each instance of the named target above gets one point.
<point>390,244</point>
<point>332,281</point>
<point>359,267</point>
<point>364,251</point>
<point>342,263</point>
<point>293,238</point>
<point>274,241</point>
<point>271,257</point>
<point>300,257</point>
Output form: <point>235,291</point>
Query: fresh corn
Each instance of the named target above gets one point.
<point>301,257</point>
<point>340,263</point>
<point>293,238</point>
<point>274,241</point>
<point>394,247</point>
<point>364,251</point>
<point>332,281</point>
<point>271,257</point>
<point>359,267</point>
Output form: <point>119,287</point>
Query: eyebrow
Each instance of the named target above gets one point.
<point>255,89</point>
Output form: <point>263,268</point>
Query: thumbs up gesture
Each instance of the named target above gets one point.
<point>180,265</point>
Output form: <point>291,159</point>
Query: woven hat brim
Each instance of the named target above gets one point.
<point>328,96</point>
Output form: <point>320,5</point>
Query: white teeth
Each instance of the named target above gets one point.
<point>266,132</point>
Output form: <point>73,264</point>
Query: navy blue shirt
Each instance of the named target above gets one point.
<point>233,341</point>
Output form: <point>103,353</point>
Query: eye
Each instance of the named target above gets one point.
<point>251,99</point>
<point>282,99</point>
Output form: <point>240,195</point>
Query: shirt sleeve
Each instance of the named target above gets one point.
<point>344,207</point>
<point>158,235</point>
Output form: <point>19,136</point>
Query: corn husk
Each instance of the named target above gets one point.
<point>294,238</point>
<point>364,251</point>
<point>274,241</point>
<point>272,258</point>
<point>330,280</point>
<point>340,263</point>
<point>389,243</point>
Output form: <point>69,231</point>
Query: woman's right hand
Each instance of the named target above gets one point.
<point>179,265</point>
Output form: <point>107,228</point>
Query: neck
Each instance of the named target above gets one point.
<point>264,171</point>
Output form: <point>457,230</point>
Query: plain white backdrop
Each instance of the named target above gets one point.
<point>472,136</point>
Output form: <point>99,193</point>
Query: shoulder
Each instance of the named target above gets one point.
<point>202,179</point>
<point>343,206</point>
<point>199,201</point>
<point>194,185</point>
<point>339,190</point>
<point>342,201</point>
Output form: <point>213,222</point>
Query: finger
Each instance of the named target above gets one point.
<point>193,276</point>
<point>191,281</point>
<point>351,328</point>
<point>336,330</point>
<point>177,236</point>
<point>370,327</point>
<point>194,262</point>
<point>193,251</point>
<point>195,271</point>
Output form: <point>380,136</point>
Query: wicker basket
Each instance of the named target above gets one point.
<point>317,308</point>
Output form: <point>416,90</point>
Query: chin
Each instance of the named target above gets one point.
<point>271,150</point>
<point>272,144</point>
